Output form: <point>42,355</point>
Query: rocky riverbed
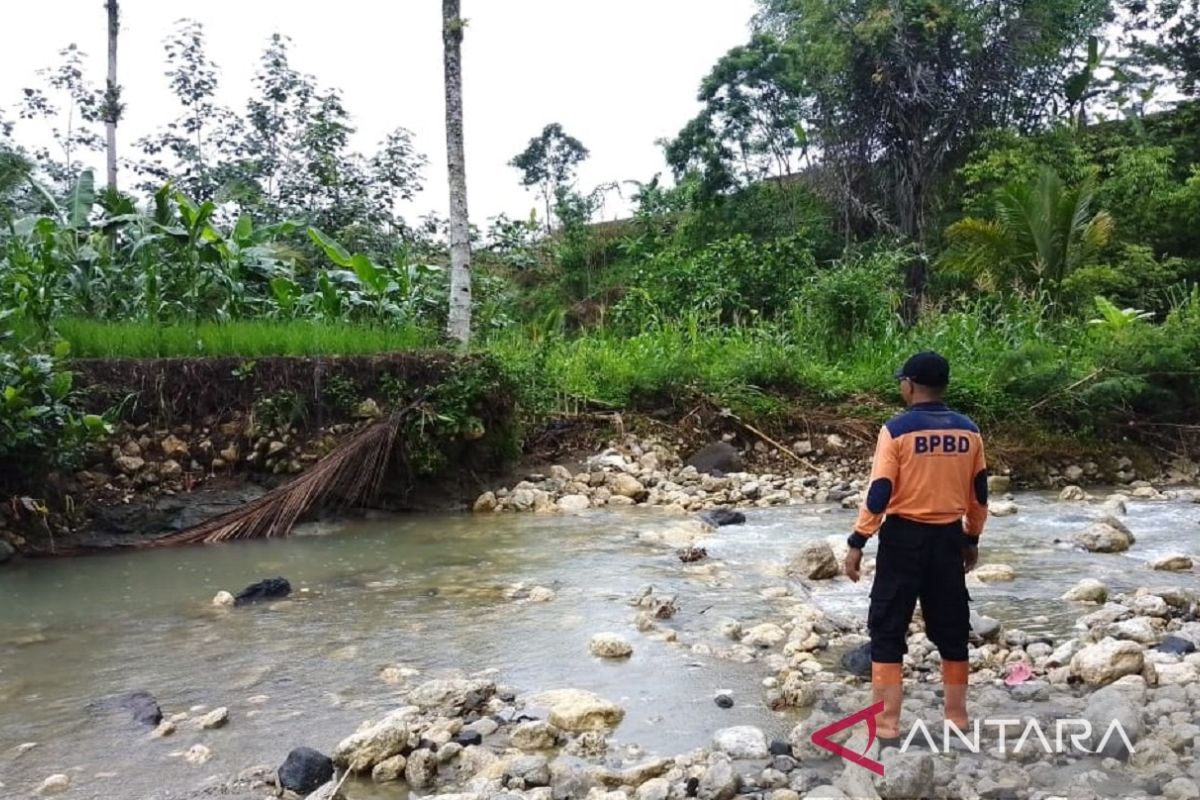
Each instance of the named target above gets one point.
<point>581,654</point>
<point>1134,660</point>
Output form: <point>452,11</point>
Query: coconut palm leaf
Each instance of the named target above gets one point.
<point>351,474</point>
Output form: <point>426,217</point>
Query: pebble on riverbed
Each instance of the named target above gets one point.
<point>55,784</point>
<point>610,645</point>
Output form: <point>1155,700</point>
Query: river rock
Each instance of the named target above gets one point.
<point>1181,789</point>
<point>129,465</point>
<point>815,561</point>
<point>719,458</point>
<point>984,627</point>
<point>223,599</point>
<point>767,634</point>
<point>1110,704</point>
<point>267,589</point>
<point>654,789</point>
<point>197,754</point>
<point>1106,661</point>
<point>720,781</point>
<point>625,485</point>
<point>213,719</point>
<point>610,645</point>
<point>995,573</point>
<point>7,551</point>
<point>574,503</point>
<point>485,503</point>
<point>389,770</point>
<point>532,771</point>
<point>578,711</point>
<point>1088,590</point>
<point>858,661</point>
<point>376,742</point>
<point>1150,605</point>
<point>1176,562</point>
<point>452,694</point>
<point>1104,537</point>
<point>534,735</point>
<point>1176,645</point>
<point>142,707</point>
<point>1002,508</point>
<point>55,784</point>
<point>540,594</point>
<point>742,741</point>
<point>1072,494</point>
<point>720,517</point>
<point>174,448</point>
<point>421,768</point>
<point>906,775</point>
<point>304,770</point>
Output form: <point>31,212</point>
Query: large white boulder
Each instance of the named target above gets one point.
<point>1107,660</point>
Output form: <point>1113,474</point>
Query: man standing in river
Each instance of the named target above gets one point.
<point>928,502</point>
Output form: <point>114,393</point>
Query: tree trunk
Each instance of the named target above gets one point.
<point>112,93</point>
<point>458,326</point>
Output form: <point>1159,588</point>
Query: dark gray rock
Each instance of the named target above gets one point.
<point>304,770</point>
<point>144,708</point>
<point>7,551</point>
<point>468,738</point>
<point>268,589</point>
<point>858,661</point>
<point>723,701</point>
<point>1176,645</point>
<point>720,517</point>
<point>716,459</point>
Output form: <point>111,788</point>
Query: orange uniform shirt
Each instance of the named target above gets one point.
<point>929,467</point>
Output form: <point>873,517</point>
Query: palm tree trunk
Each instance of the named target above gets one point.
<point>458,326</point>
<point>112,94</point>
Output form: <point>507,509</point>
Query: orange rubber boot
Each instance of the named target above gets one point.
<point>887,685</point>
<point>954,687</point>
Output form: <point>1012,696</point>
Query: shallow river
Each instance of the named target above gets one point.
<point>431,593</point>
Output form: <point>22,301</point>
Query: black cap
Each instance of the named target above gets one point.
<point>927,369</point>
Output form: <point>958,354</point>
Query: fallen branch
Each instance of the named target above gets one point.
<point>1092,376</point>
<point>351,474</point>
<point>786,450</point>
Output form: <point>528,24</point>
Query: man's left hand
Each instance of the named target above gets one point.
<point>970,558</point>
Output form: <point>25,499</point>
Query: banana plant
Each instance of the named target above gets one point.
<point>387,294</point>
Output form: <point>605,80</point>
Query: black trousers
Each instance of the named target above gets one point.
<point>919,561</point>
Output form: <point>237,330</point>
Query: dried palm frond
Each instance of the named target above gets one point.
<point>351,474</point>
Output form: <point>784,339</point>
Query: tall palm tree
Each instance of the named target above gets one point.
<point>458,326</point>
<point>1041,233</point>
<point>112,93</point>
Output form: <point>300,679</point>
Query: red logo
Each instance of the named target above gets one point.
<point>821,737</point>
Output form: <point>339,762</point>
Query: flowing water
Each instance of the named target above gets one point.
<point>433,593</point>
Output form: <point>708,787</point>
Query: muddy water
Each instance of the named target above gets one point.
<point>433,594</point>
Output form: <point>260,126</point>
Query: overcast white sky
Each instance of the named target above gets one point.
<point>617,74</point>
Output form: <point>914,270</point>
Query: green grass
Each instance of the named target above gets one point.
<point>752,368</point>
<point>91,339</point>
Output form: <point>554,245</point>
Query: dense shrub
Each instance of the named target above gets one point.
<point>732,280</point>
